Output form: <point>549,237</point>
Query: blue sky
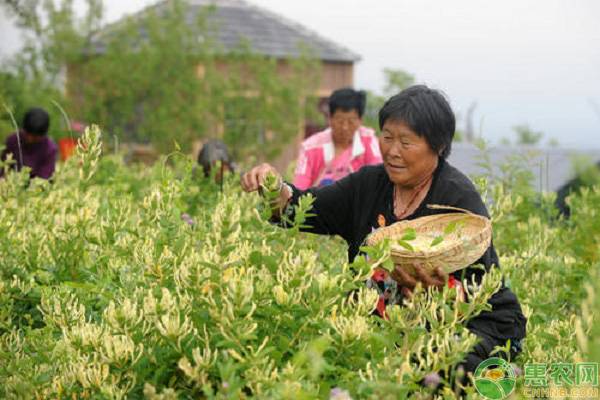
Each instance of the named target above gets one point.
<point>533,62</point>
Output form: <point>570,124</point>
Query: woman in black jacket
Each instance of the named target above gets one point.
<point>417,128</point>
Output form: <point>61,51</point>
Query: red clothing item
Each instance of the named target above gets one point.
<point>40,156</point>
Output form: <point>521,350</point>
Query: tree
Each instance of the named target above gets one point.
<point>396,80</point>
<point>374,104</point>
<point>18,94</point>
<point>54,37</point>
<point>526,135</point>
<point>149,78</point>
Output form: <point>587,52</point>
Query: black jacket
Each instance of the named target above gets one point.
<point>350,208</point>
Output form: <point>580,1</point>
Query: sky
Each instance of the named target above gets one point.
<point>534,62</point>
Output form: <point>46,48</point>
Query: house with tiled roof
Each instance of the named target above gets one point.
<point>267,33</point>
<point>232,22</point>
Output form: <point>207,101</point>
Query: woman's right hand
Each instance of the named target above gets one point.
<point>253,179</point>
<point>438,278</point>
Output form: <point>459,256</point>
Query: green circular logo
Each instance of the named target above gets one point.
<point>495,378</point>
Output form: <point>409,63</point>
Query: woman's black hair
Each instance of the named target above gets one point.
<point>214,150</point>
<point>348,99</point>
<point>36,121</point>
<point>427,112</point>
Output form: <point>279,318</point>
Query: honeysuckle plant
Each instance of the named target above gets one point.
<point>106,291</point>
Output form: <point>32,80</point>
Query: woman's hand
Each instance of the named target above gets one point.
<point>253,179</point>
<point>407,282</point>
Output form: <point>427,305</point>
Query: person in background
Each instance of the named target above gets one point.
<point>31,146</point>
<point>212,152</point>
<point>586,178</point>
<point>341,149</point>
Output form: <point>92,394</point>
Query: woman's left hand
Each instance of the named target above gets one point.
<point>408,282</point>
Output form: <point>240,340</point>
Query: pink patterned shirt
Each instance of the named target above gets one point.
<point>318,166</point>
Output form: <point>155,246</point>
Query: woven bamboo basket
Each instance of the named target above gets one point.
<point>457,250</point>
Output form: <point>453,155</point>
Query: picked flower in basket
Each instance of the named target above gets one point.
<point>451,241</point>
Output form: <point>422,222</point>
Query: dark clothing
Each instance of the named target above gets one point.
<point>572,186</point>
<point>352,207</point>
<point>482,350</point>
<point>40,156</point>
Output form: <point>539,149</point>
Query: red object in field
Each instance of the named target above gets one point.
<point>454,283</point>
<point>66,147</point>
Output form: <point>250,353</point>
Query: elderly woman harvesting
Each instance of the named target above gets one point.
<point>417,127</point>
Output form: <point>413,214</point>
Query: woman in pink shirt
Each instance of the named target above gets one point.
<point>341,149</point>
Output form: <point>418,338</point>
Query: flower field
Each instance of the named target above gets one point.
<point>106,291</point>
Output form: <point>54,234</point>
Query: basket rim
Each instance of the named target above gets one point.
<point>400,251</point>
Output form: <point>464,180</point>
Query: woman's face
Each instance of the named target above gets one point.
<point>343,125</point>
<point>407,157</point>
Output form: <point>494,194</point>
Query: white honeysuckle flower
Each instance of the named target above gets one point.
<point>168,303</point>
<point>349,328</point>
<point>92,375</point>
<point>117,349</point>
<point>62,313</point>
<point>174,326</point>
<point>83,335</point>
<point>150,304</point>
<point>281,297</point>
<point>124,317</point>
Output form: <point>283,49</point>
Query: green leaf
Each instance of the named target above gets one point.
<point>451,227</point>
<point>409,234</point>
<point>463,308</point>
<point>406,245</point>
<point>437,240</point>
